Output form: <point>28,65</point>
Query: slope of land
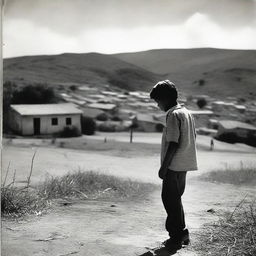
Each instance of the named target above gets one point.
<point>93,68</point>
<point>215,72</point>
<point>225,72</point>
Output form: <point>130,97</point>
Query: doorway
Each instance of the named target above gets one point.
<point>37,125</point>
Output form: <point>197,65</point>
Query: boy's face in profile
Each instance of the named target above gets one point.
<point>163,104</point>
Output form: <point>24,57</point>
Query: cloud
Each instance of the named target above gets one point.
<point>52,27</point>
<point>66,16</point>
<point>197,31</point>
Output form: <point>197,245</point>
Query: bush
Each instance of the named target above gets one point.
<point>201,82</point>
<point>107,127</point>
<point>20,201</point>
<point>88,125</point>
<point>116,118</point>
<point>159,127</point>
<point>201,103</point>
<point>69,132</point>
<point>102,117</point>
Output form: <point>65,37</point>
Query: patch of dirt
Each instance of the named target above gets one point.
<point>93,227</point>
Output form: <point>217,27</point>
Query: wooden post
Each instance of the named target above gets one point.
<point>131,134</point>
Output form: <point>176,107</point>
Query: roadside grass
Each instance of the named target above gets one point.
<point>236,176</point>
<point>93,185</point>
<point>234,234</point>
<point>16,201</point>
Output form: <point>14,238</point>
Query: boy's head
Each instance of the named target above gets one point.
<point>165,94</point>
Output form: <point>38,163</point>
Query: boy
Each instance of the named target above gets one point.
<point>178,155</point>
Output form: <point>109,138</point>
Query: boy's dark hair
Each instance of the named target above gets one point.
<point>164,90</point>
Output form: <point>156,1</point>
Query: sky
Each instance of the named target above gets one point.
<point>35,27</point>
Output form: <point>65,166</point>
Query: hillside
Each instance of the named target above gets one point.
<point>92,68</point>
<point>218,73</point>
<point>225,72</point>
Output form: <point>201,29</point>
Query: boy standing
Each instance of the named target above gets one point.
<point>178,155</point>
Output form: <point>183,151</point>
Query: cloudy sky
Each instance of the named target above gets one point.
<point>32,27</point>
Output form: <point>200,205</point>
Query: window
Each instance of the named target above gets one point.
<point>55,121</point>
<point>68,121</point>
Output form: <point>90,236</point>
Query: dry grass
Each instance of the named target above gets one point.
<point>238,176</point>
<point>17,201</point>
<point>233,235</point>
<point>92,185</point>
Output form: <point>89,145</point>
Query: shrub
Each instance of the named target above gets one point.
<point>88,125</point>
<point>159,127</point>
<point>107,127</point>
<point>201,82</point>
<point>70,132</point>
<point>102,117</point>
<point>20,201</point>
<point>201,103</point>
<point>116,118</point>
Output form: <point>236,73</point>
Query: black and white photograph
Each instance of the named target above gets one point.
<point>128,128</point>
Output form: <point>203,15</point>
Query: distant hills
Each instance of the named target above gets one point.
<point>215,72</point>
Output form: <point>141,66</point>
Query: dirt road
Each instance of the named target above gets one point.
<point>113,228</point>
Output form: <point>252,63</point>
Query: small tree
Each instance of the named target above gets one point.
<point>88,125</point>
<point>201,103</point>
<point>102,117</point>
<point>34,94</point>
<point>201,82</point>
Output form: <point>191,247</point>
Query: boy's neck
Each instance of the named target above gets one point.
<point>172,105</point>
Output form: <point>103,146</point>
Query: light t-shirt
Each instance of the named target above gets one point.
<point>180,128</point>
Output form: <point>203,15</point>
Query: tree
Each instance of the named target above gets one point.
<point>34,94</point>
<point>201,82</point>
<point>201,103</point>
<point>102,117</point>
<point>88,125</point>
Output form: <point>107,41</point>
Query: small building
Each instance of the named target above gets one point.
<point>201,117</point>
<point>110,108</point>
<point>92,112</point>
<point>240,129</point>
<point>148,123</point>
<point>44,119</point>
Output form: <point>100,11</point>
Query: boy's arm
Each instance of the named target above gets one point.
<point>172,147</point>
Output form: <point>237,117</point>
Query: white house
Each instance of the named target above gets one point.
<point>36,119</point>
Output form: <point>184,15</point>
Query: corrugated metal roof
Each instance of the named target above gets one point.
<point>46,109</point>
<point>102,106</point>
<point>201,112</point>
<point>229,124</point>
<point>146,118</point>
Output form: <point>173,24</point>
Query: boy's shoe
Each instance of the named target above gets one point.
<point>185,237</point>
<point>172,244</point>
<point>176,243</point>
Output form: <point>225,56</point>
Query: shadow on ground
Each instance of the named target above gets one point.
<point>162,251</point>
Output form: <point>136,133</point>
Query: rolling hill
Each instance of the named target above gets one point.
<point>91,68</point>
<point>216,72</point>
<point>224,72</point>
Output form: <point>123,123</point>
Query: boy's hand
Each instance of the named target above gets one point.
<point>162,173</point>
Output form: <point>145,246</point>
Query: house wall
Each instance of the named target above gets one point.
<point>46,126</point>
<point>15,121</point>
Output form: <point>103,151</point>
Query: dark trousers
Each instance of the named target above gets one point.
<point>172,190</point>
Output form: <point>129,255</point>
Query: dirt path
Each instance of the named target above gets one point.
<point>115,228</point>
